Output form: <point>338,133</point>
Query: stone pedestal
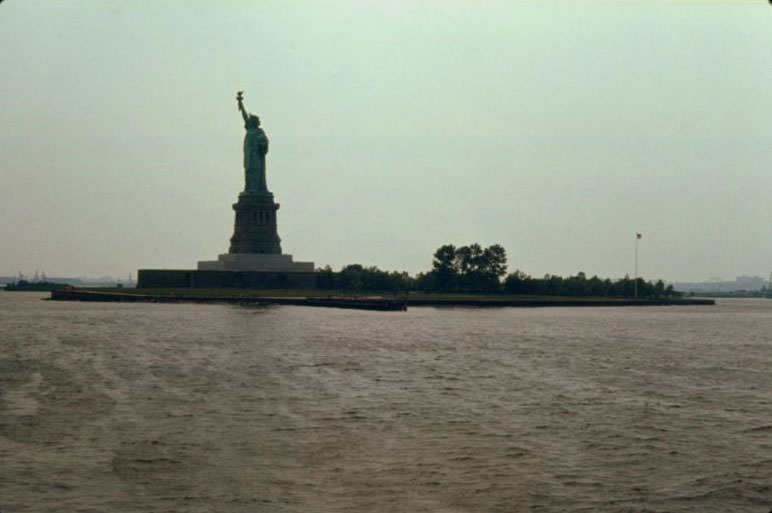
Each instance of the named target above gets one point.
<point>255,245</point>
<point>256,262</point>
<point>255,226</point>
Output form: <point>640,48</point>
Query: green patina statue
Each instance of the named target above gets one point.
<point>255,148</point>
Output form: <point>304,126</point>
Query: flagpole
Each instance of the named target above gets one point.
<point>635,283</point>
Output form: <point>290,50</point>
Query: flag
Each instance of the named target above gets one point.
<point>638,236</point>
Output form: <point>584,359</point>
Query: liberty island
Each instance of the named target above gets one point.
<point>463,276</point>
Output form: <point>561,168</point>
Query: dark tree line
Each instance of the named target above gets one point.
<point>359,278</point>
<point>579,285</point>
<point>474,269</point>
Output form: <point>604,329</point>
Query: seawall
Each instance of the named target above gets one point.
<point>359,302</point>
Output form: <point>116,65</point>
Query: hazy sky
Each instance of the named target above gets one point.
<point>558,129</point>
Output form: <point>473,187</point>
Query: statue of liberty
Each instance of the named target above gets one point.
<point>255,148</point>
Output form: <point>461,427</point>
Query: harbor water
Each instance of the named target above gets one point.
<point>109,407</point>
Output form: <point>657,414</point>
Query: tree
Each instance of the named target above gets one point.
<point>496,259</point>
<point>480,270</point>
<point>426,282</point>
<point>444,268</point>
<point>325,278</point>
<point>351,277</point>
<point>468,263</point>
<point>517,283</point>
<point>464,259</point>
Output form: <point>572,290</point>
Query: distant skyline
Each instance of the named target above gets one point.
<point>558,129</point>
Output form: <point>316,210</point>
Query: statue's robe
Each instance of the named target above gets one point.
<point>255,148</point>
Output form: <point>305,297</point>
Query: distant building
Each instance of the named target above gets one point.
<point>741,284</point>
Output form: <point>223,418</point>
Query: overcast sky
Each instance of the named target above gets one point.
<point>558,129</point>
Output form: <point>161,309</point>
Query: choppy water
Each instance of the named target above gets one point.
<point>214,408</point>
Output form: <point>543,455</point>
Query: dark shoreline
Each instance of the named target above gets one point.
<point>392,303</point>
<point>557,301</point>
<point>362,303</point>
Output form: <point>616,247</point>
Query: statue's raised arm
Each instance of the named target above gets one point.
<point>240,100</point>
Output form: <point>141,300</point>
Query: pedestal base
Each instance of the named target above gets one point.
<point>200,279</point>
<point>256,262</point>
